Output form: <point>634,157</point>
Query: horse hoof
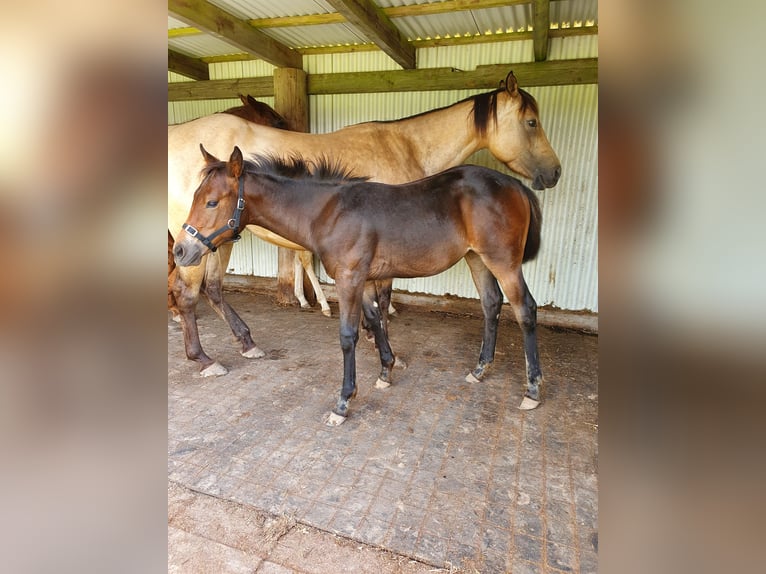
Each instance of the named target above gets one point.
<point>327,312</point>
<point>470,378</point>
<point>381,384</point>
<point>254,353</point>
<point>333,420</point>
<point>400,363</point>
<point>528,404</point>
<point>214,370</point>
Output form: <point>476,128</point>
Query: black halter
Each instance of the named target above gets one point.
<point>232,224</point>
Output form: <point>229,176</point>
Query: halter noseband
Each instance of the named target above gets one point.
<point>233,223</point>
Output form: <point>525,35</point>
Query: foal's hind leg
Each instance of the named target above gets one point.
<point>374,317</point>
<point>525,311</point>
<point>212,289</point>
<point>491,304</point>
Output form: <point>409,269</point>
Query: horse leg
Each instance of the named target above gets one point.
<point>306,259</point>
<point>384,289</point>
<point>212,289</point>
<point>172,307</point>
<point>186,287</point>
<point>525,310</point>
<point>491,304</point>
<point>383,292</point>
<point>350,294</point>
<point>298,290</point>
<point>374,317</point>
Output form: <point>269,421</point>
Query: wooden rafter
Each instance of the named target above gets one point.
<point>542,24</point>
<point>193,68</point>
<point>235,31</point>
<point>374,25</point>
<point>452,41</point>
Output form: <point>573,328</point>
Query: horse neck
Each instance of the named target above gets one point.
<point>285,206</point>
<point>442,138</point>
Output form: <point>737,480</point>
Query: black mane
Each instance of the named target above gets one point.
<point>484,108</point>
<point>294,167</point>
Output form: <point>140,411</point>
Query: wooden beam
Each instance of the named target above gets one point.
<point>292,102</point>
<point>548,73</point>
<point>239,33</point>
<point>193,68</point>
<point>377,27</point>
<point>220,89</point>
<point>542,24</point>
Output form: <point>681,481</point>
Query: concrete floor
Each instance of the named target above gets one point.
<point>433,469</point>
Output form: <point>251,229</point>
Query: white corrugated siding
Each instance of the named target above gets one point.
<point>565,273</point>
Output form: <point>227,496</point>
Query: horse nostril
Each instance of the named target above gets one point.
<point>178,251</point>
<point>557,173</point>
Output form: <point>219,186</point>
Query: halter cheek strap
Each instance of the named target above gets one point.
<point>232,224</point>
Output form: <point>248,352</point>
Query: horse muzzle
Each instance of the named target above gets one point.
<point>546,178</point>
<point>187,255</point>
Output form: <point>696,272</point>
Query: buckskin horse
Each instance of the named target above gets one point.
<point>365,232</point>
<point>253,111</point>
<point>506,121</point>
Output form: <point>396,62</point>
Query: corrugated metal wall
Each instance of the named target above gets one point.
<point>565,273</point>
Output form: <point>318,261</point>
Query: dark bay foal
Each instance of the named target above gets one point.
<point>365,232</point>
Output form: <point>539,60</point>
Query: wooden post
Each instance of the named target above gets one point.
<point>291,101</point>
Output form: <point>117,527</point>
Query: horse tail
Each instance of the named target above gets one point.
<point>532,245</point>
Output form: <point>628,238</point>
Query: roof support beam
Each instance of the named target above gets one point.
<point>239,33</point>
<point>542,23</point>
<point>187,66</point>
<point>549,73</point>
<point>377,27</point>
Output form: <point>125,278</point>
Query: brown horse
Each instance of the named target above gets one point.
<point>366,232</point>
<point>253,111</point>
<point>506,121</point>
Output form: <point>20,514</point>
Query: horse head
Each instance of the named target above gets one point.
<point>216,209</point>
<point>517,137</point>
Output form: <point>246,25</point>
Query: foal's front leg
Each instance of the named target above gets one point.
<point>350,291</point>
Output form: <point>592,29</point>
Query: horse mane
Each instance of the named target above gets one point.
<point>484,109</point>
<point>322,169</point>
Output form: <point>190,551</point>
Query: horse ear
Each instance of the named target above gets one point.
<point>511,85</point>
<point>209,158</point>
<point>244,99</point>
<point>235,163</point>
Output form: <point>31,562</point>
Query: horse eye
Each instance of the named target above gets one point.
<point>212,203</point>
<point>532,123</point>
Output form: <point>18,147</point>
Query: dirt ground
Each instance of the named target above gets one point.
<point>433,474</point>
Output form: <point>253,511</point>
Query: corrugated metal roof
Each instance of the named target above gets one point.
<point>457,23</point>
